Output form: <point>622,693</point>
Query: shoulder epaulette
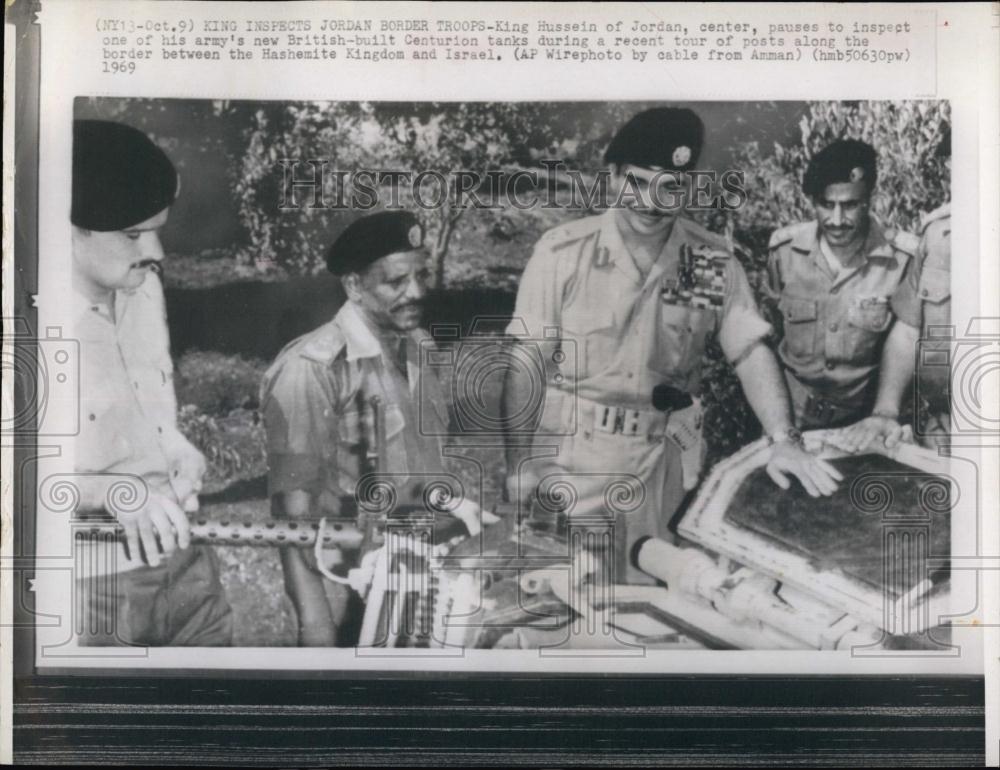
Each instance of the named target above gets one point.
<point>782,235</point>
<point>938,214</point>
<point>905,242</point>
<point>324,344</point>
<point>570,232</point>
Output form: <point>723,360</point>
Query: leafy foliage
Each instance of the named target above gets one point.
<point>233,446</point>
<point>217,383</point>
<point>433,139</point>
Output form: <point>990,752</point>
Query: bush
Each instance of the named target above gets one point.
<point>217,383</point>
<point>234,446</point>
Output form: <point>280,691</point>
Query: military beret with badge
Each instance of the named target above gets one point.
<point>120,176</point>
<point>372,237</point>
<point>668,138</point>
<point>843,161</point>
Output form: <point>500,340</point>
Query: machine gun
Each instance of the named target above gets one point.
<point>398,538</point>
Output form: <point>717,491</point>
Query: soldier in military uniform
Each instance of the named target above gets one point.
<point>627,301</point>
<point>840,283</point>
<point>164,590</point>
<point>931,283</point>
<point>316,399</point>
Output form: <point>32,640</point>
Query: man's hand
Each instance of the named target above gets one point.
<point>187,470</point>
<point>937,431</point>
<point>817,476</point>
<point>472,516</point>
<point>861,435</point>
<point>521,487</point>
<point>159,519</point>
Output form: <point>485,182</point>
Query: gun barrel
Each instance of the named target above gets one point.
<point>265,533</point>
<point>275,532</point>
<point>300,533</point>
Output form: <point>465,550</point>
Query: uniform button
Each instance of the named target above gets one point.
<point>833,327</point>
<point>829,364</point>
<point>630,375</point>
<point>159,429</point>
<point>835,289</point>
<point>924,293</point>
<point>92,417</point>
<point>586,434</point>
<point>176,473</point>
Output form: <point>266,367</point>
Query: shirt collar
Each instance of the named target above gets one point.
<point>363,341</point>
<point>619,255</point>
<point>84,306</point>
<point>877,244</point>
<point>360,340</point>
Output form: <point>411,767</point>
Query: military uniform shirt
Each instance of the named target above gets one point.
<point>932,285</point>
<point>834,324</point>
<point>624,334</point>
<point>315,399</point>
<point>128,422</point>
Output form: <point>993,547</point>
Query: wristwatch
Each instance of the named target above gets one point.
<point>790,434</point>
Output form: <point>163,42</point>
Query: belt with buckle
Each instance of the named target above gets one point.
<point>624,421</point>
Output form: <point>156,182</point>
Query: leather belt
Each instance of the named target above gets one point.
<point>622,420</point>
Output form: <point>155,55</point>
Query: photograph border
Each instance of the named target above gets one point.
<point>376,718</point>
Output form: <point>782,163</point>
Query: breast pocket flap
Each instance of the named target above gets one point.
<point>798,310</point>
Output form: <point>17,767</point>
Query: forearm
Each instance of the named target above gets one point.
<point>765,389</point>
<point>303,584</point>
<point>896,370</point>
<point>304,587</point>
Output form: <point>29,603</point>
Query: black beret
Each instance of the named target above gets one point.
<point>373,237</point>
<point>120,177</point>
<point>846,160</point>
<point>663,137</point>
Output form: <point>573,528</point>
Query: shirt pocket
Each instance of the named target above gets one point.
<point>867,321</point>
<point>356,431</point>
<point>595,337</point>
<point>799,317</point>
<point>682,334</point>
<point>935,285</point>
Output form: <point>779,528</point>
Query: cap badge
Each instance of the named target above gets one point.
<point>681,155</point>
<point>857,174</point>
<point>414,236</point>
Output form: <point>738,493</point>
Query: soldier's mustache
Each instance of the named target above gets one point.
<point>152,264</point>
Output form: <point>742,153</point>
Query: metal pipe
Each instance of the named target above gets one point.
<point>746,599</point>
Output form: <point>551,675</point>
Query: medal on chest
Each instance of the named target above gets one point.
<point>700,280</point>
